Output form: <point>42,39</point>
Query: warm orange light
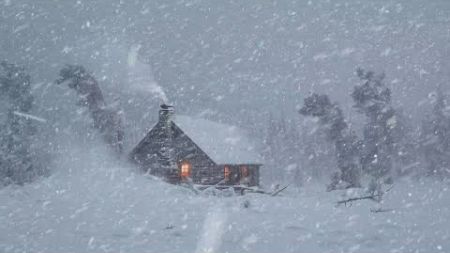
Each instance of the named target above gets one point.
<point>226,172</point>
<point>185,170</point>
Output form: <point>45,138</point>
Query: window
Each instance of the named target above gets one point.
<point>185,170</point>
<point>226,173</point>
<point>244,172</point>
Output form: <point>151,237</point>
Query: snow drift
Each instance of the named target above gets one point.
<point>94,203</point>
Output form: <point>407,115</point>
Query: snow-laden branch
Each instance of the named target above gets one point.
<point>375,197</point>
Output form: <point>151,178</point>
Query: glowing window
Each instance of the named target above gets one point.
<point>244,171</point>
<point>226,173</point>
<point>186,170</point>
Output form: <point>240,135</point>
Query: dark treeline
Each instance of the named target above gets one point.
<point>389,145</point>
<point>319,142</point>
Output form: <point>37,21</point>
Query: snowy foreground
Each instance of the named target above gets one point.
<point>89,205</point>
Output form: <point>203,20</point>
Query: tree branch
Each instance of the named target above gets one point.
<point>371,197</point>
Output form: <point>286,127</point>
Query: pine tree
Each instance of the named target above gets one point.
<point>406,136</point>
<point>435,137</point>
<point>346,143</point>
<point>373,99</point>
<point>107,120</point>
<point>17,159</point>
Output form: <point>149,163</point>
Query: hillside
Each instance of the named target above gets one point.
<point>95,204</point>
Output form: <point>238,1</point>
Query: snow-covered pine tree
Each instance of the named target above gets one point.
<point>106,119</point>
<point>373,99</point>
<point>406,136</point>
<point>435,137</point>
<point>17,158</point>
<point>346,143</point>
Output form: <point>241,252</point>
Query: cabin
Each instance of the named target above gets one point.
<point>185,149</point>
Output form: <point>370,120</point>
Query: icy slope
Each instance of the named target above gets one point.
<point>94,204</point>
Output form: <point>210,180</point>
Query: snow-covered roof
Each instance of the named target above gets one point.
<point>223,143</point>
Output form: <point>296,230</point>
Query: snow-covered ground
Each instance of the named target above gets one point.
<point>92,204</point>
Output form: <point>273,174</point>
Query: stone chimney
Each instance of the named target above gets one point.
<point>165,113</point>
<point>168,166</point>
